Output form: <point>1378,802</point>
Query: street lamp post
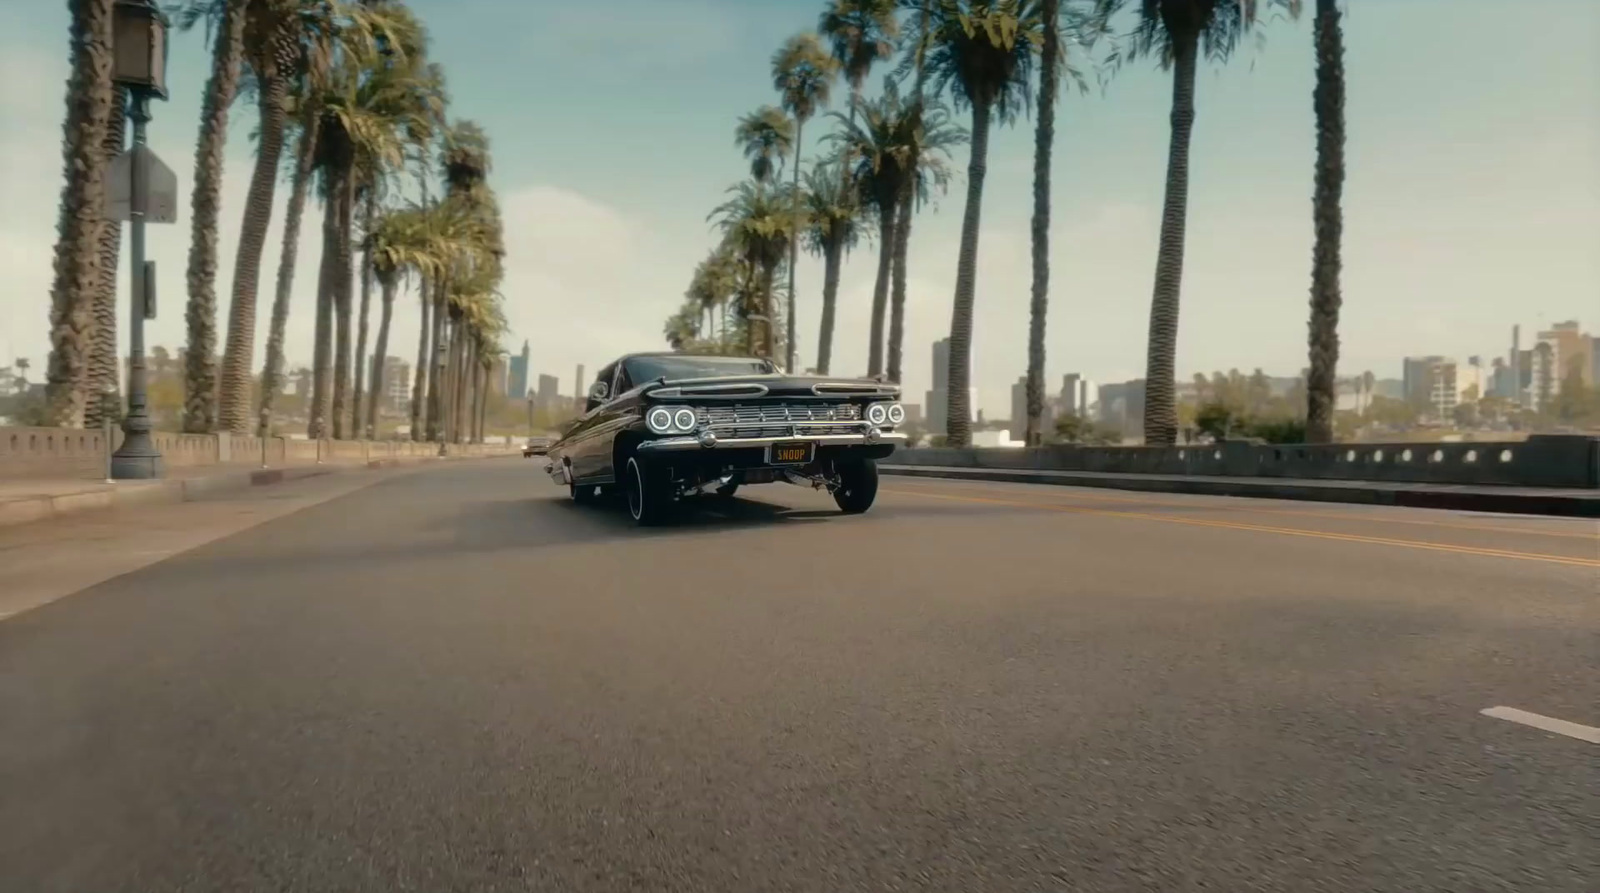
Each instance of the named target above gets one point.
<point>139,41</point>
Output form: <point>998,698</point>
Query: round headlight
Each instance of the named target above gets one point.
<point>659,420</point>
<point>897,414</point>
<point>684,419</point>
<point>877,413</point>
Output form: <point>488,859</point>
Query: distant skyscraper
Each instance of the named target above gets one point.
<point>517,386</point>
<point>1078,395</point>
<point>548,394</point>
<point>577,388</point>
<point>1019,410</point>
<point>499,375</point>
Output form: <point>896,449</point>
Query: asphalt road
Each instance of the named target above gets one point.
<point>456,680</point>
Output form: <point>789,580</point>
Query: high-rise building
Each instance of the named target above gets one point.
<point>517,384</point>
<point>1430,385</point>
<point>1571,351</point>
<point>548,393</point>
<point>1019,410</point>
<point>499,375</point>
<point>1078,395</point>
<point>1122,406</point>
<point>577,389</point>
<point>938,400</point>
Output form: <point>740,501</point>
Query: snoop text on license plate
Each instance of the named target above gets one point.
<point>790,453</point>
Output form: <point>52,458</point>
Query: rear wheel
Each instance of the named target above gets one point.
<point>858,485</point>
<point>649,493</point>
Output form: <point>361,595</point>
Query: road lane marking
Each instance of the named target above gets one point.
<point>1545,723</point>
<point>1264,528</point>
<point>1340,516</point>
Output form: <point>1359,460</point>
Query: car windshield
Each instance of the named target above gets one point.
<point>673,368</point>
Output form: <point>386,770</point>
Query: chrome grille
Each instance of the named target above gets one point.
<point>775,419</point>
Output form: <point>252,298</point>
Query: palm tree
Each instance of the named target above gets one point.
<point>833,218</point>
<point>756,227</point>
<point>766,136</point>
<point>373,102</point>
<point>77,258</point>
<point>103,390</point>
<point>860,33</point>
<point>880,138</point>
<point>1177,33</point>
<point>929,137</point>
<point>1328,103</point>
<point>983,53</point>
<point>803,74</point>
<point>200,372</point>
<point>1050,65</point>
<point>465,164</point>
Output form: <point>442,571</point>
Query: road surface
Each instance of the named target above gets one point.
<point>454,679</point>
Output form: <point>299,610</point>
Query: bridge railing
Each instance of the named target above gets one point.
<point>71,453</point>
<point>1543,460</point>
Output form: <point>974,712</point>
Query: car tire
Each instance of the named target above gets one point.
<point>858,485</point>
<point>649,500</point>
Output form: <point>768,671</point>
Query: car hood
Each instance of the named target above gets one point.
<point>755,387</point>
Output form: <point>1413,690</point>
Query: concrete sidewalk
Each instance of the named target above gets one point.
<point>1512,500</point>
<point>23,501</point>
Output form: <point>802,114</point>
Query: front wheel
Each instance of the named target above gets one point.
<point>649,496</point>
<point>858,485</point>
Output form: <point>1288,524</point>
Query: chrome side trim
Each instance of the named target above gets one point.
<point>676,444</point>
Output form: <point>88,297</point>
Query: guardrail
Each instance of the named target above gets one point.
<point>66,453</point>
<point>1543,460</point>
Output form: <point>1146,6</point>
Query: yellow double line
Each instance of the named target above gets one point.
<point>1264,528</point>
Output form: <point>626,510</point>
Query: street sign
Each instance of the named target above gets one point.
<point>160,199</point>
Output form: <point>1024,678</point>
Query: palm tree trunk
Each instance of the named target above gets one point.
<point>77,261</point>
<point>880,291</point>
<point>436,387</point>
<point>380,355</point>
<point>897,275</point>
<point>833,257</point>
<point>200,362</point>
<point>342,299</point>
<point>103,393</point>
<point>1328,102</point>
<point>419,376</point>
<point>794,246</point>
<point>458,401</point>
<point>272,371</point>
<point>1043,142</point>
<point>233,412</point>
<point>769,325</point>
<point>368,212</point>
<point>1160,411</point>
<point>958,424</point>
<point>322,351</point>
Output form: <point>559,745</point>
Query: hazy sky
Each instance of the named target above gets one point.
<point>1472,201</point>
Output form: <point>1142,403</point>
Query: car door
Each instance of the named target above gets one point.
<point>575,440</point>
<point>593,463</point>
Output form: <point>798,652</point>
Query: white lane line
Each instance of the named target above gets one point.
<point>1546,723</point>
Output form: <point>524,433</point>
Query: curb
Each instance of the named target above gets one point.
<point>1558,504</point>
<point>166,492</point>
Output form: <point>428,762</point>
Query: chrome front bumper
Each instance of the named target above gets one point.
<point>702,442</point>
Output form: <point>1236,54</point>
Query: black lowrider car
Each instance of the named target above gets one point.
<point>663,426</point>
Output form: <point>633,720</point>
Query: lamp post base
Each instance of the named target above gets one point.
<point>137,460</point>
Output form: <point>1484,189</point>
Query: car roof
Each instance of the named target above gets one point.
<point>677,353</point>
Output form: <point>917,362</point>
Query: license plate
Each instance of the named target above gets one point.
<point>794,452</point>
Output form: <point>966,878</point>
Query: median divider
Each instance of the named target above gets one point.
<point>1562,502</point>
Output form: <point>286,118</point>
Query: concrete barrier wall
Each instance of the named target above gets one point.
<point>1543,460</point>
<point>68,453</point>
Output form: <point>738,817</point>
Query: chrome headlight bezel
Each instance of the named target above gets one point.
<point>667,420</point>
<point>884,414</point>
<point>659,419</point>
